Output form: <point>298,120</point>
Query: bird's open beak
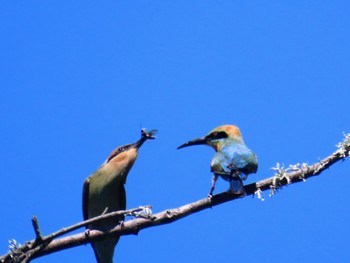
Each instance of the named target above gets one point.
<point>199,141</point>
<point>145,136</point>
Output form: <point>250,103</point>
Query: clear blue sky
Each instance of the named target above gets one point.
<point>80,78</point>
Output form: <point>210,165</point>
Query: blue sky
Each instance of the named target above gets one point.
<point>80,78</point>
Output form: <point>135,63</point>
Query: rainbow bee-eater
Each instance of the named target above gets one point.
<point>104,192</point>
<point>233,160</point>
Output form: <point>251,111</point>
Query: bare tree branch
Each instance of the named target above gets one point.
<point>46,245</point>
<point>26,252</point>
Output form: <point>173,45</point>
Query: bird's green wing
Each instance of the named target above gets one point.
<point>86,188</point>
<point>122,200</point>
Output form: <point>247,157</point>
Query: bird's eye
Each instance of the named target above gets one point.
<point>222,135</point>
<point>121,149</point>
<point>218,135</point>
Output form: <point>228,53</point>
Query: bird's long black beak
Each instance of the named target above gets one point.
<point>199,141</point>
<point>144,137</point>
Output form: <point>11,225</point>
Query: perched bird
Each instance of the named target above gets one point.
<point>104,192</point>
<point>233,160</point>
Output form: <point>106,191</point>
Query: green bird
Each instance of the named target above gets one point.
<point>104,192</point>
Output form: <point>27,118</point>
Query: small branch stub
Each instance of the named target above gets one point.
<point>37,231</point>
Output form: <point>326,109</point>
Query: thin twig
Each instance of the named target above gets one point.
<point>31,247</point>
<point>66,230</point>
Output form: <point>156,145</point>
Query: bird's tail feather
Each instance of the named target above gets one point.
<point>236,185</point>
<point>104,250</point>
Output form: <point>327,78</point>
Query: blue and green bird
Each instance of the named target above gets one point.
<point>233,160</point>
<point>104,192</point>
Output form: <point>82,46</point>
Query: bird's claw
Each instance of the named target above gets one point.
<point>87,232</point>
<point>121,223</point>
<point>210,195</point>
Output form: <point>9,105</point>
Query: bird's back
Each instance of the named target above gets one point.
<point>98,200</point>
<point>234,157</point>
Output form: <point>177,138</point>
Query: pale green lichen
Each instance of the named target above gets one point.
<point>280,174</point>
<point>144,212</point>
<point>344,146</point>
<point>301,168</point>
<point>15,252</point>
<point>259,194</point>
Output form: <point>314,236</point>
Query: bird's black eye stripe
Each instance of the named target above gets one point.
<point>217,135</point>
<point>221,135</point>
